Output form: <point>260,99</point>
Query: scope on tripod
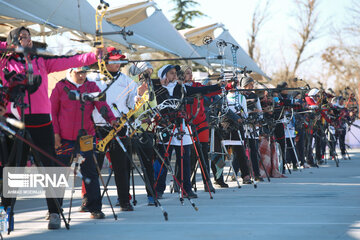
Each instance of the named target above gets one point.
<point>85,97</point>
<point>19,83</point>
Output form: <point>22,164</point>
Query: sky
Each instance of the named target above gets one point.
<point>277,35</point>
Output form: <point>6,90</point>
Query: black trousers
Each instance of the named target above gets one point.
<point>239,156</point>
<point>120,163</point>
<point>254,146</point>
<point>280,138</point>
<point>203,149</point>
<point>308,146</point>
<point>145,150</point>
<point>340,135</point>
<point>300,145</point>
<point>290,154</point>
<point>88,171</point>
<point>42,137</point>
<point>320,141</point>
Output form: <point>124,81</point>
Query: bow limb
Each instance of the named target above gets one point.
<point>99,39</point>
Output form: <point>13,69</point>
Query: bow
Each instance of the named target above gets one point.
<point>99,39</point>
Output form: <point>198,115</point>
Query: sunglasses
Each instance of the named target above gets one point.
<point>115,52</point>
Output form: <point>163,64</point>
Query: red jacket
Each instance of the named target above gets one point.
<point>66,114</point>
<point>200,121</point>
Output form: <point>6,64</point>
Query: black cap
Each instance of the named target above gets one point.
<point>14,35</point>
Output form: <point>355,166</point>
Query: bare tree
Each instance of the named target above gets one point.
<point>259,18</point>
<point>307,31</point>
<point>308,19</point>
<point>343,57</point>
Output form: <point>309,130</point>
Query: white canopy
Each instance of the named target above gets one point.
<point>153,31</point>
<point>75,15</point>
<point>242,58</point>
<point>197,35</point>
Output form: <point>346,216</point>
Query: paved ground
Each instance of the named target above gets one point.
<point>315,203</point>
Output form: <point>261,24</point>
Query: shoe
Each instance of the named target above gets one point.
<point>159,195</point>
<point>212,189</point>
<point>259,179</point>
<point>97,215</point>
<point>54,221</point>
<point>126,207</point>
<point>247,180</point>
<point>151,201</point>
<point>47,216</point>
<point>220,182</point>
<point>191,194</point>
<point>83,208</point>
<point>305,165</point>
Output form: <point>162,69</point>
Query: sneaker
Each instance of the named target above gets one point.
<point>212,189</point>
<point>220,182</point>
<point>126,207</point>
<point>97,215</point>
<point>151,201</point>
<point>159,195</point>
<point>83,208</point>
<point>305,165</point>
<point>191,194</point>
<point>259,179</point>
<point>54,221</point>
<point>247,180</point>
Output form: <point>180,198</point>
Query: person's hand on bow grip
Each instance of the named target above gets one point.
<point>114,123</point>
<point>142,88</point>
<point>99,52</point>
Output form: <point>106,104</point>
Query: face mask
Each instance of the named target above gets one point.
<point>276,99</point>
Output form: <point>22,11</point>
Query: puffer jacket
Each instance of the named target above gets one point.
<point>43,65</point>
<point>66,114</point>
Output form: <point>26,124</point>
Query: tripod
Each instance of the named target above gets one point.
<point>198,148</point>
<point>180,128</point>
<point>330,143</point>
<point>18,158</point>
<point>321,135</point>
<point>84,145</point>
<point>165,161</point>
<point>253,134</point>
<point>145,178</point>
<point>215,135</point>
<point>286,125</point>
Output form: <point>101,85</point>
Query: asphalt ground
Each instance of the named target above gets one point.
<point>314,203</point>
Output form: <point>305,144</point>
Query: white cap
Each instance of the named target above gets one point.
<point>164,69</point>
<point>313,92</point>
<point>138,68</point>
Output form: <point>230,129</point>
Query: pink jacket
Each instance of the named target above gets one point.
<point>66,114</point>
<point>43,65</point>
